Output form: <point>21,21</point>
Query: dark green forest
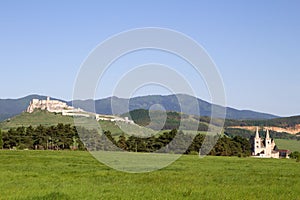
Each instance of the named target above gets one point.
<point>278,122</point>
<point>62,136</point>
<point>66,137</point>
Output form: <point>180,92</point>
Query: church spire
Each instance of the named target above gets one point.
<point>257,134</point>
<point>267,134</point>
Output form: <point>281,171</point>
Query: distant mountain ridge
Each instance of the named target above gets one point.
<point>170,103</point>
<point>12,107</point>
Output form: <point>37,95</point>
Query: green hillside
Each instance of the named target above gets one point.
<point>45,118</point>
<point>41,117</point>
<point>158,120</point>
<point>36,118</point>
<point>292,145</point>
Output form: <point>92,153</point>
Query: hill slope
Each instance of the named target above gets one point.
<point>46,118</point>
<point>159,120</point>
<point>36,118</point>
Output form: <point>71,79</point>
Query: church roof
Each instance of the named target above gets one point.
<point>257,134</point>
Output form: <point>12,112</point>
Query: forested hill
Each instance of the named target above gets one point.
<point>283,122</point>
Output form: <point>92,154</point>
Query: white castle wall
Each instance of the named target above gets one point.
<point>50,105</point>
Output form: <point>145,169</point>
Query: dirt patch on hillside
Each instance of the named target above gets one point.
<point>291,130</point>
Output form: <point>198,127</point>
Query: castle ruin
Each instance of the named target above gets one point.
<point>53,106</point>
<point>56,106</point>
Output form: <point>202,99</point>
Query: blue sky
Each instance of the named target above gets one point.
<point>255,44</point>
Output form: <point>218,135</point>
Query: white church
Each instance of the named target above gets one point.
<point>265,148</point>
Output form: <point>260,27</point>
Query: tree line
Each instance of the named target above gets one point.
<point>62,136</point>
<point>165,143</point>
<point>65,136</point>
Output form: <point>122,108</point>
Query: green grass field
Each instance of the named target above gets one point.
<point>292,145</point>
<point>77,175</point>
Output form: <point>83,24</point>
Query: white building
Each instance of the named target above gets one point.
<point>265,148</point>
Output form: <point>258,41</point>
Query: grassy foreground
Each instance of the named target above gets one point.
<point>77,175</point>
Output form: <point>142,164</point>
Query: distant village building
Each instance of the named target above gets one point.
<point>266,148</point>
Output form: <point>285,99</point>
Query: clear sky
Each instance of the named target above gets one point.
<point>255,44</point>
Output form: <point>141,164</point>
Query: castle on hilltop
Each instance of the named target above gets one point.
<point>52,106</point>
<point>266,148</point>
<point>56,106</point>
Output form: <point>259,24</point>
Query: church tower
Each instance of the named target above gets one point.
<point>268,144</point>
<point>257,143</point>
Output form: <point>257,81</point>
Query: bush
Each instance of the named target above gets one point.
<point>295,155</point>
<point>194,153</point>
<point>22,147</point>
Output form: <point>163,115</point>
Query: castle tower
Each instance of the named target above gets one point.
<point>257,143</point>
<point>47,104</point>
<point>268,144</point>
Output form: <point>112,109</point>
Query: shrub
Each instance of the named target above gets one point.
<point>194,153</point>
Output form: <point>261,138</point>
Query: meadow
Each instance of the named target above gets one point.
<point>77,175</point>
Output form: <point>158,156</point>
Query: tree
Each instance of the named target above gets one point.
<point>11,139</point>
<point>181,143</point>
<point>132,143</point>
<point>196,144</point>
<point>245,145</point>
<point>122,142</point>
<point>295,155</point>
